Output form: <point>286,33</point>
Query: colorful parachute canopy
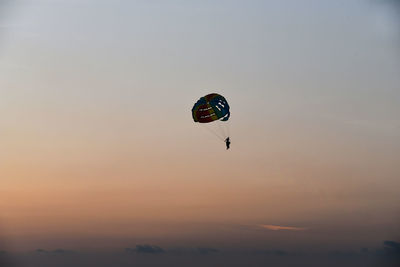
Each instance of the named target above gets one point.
<point>210,108</point>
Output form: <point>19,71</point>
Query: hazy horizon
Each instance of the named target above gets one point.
<point>99,152</point>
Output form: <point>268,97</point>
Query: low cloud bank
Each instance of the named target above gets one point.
<point>150,249</point>
<point>278,252</point>
<point>392,247</point>
<point>387,253</point>
<point>56,251</point>
<point>207,250</point>
<point>280,227</point>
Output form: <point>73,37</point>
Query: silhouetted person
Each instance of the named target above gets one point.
<point>227,142</point>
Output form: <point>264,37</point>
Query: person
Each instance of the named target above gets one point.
<point>228,143</point>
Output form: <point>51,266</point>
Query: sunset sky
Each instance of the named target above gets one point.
<point>98,149</point>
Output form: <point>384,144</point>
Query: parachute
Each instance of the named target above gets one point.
<point>213,112</point>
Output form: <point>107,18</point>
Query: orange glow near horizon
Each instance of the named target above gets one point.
<point>97,138</point>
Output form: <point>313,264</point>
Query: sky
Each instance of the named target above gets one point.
<point>98,149</point>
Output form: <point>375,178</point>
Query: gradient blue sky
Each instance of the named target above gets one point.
<point>96,129</point>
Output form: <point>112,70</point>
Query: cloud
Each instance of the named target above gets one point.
<point>56,251</point>
<point>280,227</point>
<point>343,253</point>
<point>62,251</point>
<point>145,249</point>
<point>41,251</point>
<point>392,247</point>
<point>273,252</point>
<point>203,256</point>
<point>207,250</point>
